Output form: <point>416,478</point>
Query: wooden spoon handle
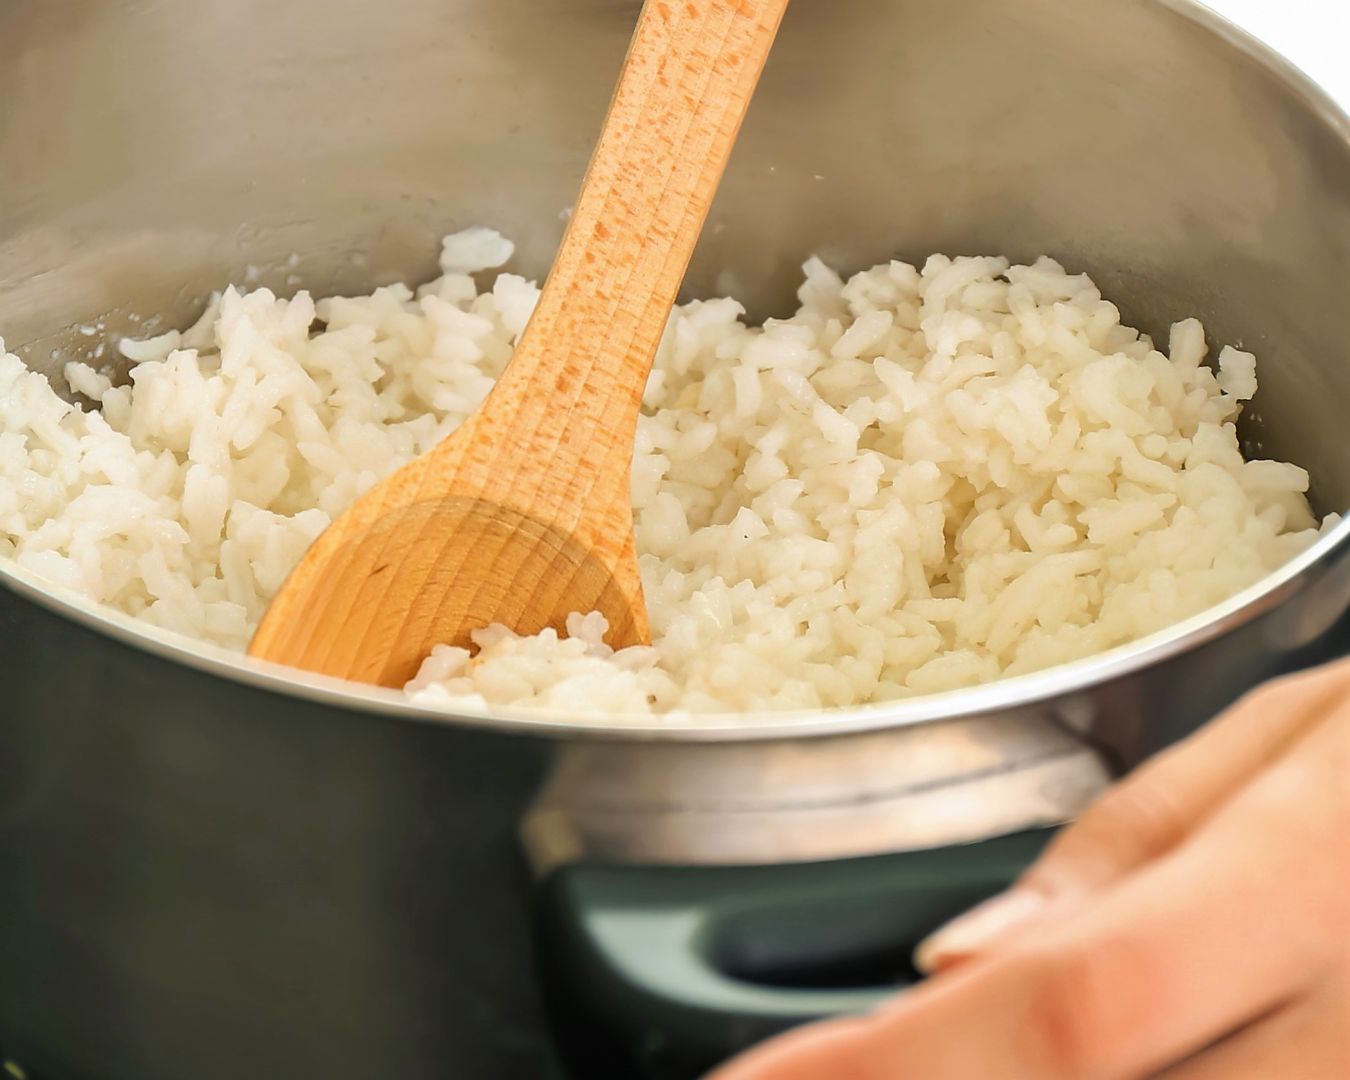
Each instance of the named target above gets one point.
<point>574,386</point>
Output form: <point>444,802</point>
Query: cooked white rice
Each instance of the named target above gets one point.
<point>925,479</point>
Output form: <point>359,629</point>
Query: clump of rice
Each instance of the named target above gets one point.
<point>925,479</point>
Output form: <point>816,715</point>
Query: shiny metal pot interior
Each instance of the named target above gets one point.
<point>205,868</point>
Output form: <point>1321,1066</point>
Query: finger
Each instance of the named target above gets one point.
<point>1148,813</point>
<point>850,1048</point>
<point>1308,1040</point>
<point>1151,811</point>
<point>1164,964</point>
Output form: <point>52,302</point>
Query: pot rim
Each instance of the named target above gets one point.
<point>1001,696</point>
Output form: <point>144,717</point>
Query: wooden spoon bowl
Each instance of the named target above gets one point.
<point>523,515</point>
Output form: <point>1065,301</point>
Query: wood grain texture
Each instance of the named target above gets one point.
<point>523,515</point>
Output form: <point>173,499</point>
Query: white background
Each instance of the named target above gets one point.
<point>1314,34</point>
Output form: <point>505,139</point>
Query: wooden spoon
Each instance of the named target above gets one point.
<point>524,515</point>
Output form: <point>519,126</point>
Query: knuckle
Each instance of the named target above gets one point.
<point>1132,822</point>
<point>1143,814</point>
<point>1064,1017</point>
<point>1089,1003</point>
<point>1339,756</point>
<point>1270,702</point>
<point>1327,675</point>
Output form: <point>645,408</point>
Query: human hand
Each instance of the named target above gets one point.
<point>1193,925</point>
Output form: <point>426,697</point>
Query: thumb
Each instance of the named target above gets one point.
<point>1149,813</point>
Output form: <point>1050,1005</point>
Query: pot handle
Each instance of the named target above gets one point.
<point>662,972</point>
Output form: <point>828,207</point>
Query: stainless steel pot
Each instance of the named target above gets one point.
<point>210,870</point>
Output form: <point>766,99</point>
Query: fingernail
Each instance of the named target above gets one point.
<point>977,928</point>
